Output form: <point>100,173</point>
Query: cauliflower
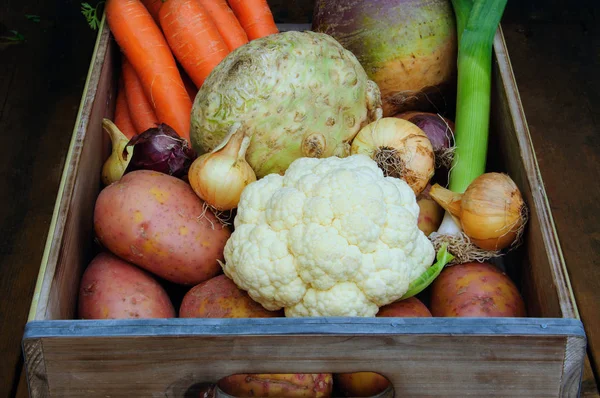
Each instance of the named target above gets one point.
<point>331,237</point>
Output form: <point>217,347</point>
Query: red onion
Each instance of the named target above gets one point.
<point>161,149</point>
<point>440,132</point>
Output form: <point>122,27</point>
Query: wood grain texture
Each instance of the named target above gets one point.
<point>556,72</point>
<point>100,365</point>
<point>36,374</point>
<point>497,357</point>
<point>479,365</point>
<point>545,281</point>
<point>570,385</point>
<point>555,57</point>
<point>66,253</point>
<point>41,80</point>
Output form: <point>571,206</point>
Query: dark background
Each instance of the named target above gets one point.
<point>555,52</point>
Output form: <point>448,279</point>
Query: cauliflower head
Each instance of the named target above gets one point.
<point>331,237</point>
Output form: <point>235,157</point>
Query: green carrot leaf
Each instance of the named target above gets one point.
<point>91,14</point>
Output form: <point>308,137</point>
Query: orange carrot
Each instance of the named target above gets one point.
<point>145,47</point>
<point>140,109</point>
<point>193,37</point>
<point>229,27</point>
<point>153,7</point>
<point>255,17</point>
<point>122,118</point>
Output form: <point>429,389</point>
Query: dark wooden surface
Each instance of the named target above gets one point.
<point>555,51</point>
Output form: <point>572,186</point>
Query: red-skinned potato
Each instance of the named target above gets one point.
<point>475,290</point>
<point>219,297</point>
<point>112,288</point>
<point>157,222</point>
<point>411,307</point>
<point>318,385</point>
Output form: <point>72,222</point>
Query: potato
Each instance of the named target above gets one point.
<point>360,384</point>
<point>278,385</point>
<point>475,290</point>
<point>112,288</point>
<point>219,297</point>
<point>157,222</point>
<point>411,307</point>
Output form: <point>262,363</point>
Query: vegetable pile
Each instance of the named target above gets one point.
<point>258,173</point>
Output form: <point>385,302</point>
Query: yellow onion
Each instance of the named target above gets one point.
<point>491,212</point>
<point>114,167</point>
<point>220,176</point>
<point>400,148</point>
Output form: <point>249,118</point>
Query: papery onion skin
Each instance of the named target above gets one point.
<point>161,149</point>
<point>439,130</point>
<point>219,177</point>
<point>408,151</point>
<point>495,198</point>
<point>114,167</point>
<point>491,212</point>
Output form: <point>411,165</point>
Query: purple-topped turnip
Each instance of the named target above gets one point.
<point>408,47</point>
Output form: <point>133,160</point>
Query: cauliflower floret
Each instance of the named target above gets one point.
<point>331,237</point>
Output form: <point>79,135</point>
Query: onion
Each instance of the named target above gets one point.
<point>440,132</point>
<point>400,148</point>
<point>161,149</point>
<point>114,167</point>
<point>491,212</point>
<point>219,177</point>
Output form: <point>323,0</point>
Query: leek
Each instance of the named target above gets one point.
<point>474,87</point>
<point>477,22</point>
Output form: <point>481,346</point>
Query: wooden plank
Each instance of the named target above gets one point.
<point>511,356</point>
<point>548,287</point>
<point>478,365</point>
<point>66,257</point>
<point>570,385</point>
<point>37,379</point>
<point>65,253</point>
<point>556,62</point>
<point>40,86</point>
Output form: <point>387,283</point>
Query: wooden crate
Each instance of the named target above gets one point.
<point>541,355</point>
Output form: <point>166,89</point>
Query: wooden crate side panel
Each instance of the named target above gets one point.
<point>442,365</point>
<point>70,236</point>
<point>427,356</point>
<point>572,377</point>
<point>547,288</point>
<point>35,368</point>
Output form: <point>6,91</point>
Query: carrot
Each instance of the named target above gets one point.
<point>153,7</point>
<point>255,17</point>
<point>145,47</point>
<point>140,109</point>
<point>193,37</point>
<point>122,117</point>
<point>228,25</point>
